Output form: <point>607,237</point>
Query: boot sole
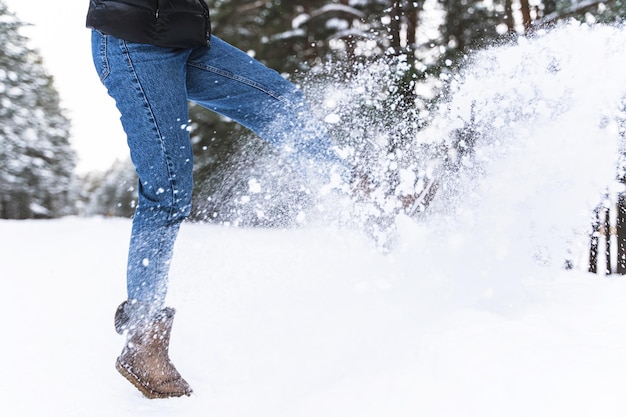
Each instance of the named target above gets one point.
<point>145,390</point>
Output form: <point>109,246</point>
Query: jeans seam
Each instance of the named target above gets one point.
<point>242,80</point>
<point>106,70</point>
<point>173,204</point>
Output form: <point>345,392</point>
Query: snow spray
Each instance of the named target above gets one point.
<point>544,113</point>
<point>524,141</point>
<point>547,113</point>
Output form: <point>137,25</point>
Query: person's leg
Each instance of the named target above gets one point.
<point>226,80</point>
<point>148,85</point>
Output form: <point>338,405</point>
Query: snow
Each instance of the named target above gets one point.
<point>471,314</point>
<point>303,323</point>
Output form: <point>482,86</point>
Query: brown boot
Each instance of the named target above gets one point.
<point>145,361</point>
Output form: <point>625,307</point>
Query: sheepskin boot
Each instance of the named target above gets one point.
<point>145,360</point>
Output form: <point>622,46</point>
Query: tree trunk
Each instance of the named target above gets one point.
<point>394,25</point>
<point>621,234</point>
<point>607,236</point>
<point>594,242</point>
<point>525,6</point>
<point>412,16</point>
<point>549,6</point>
<point>508,16</point>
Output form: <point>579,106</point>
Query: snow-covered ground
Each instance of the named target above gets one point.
<point>303,323</point>
<point>470,315</point>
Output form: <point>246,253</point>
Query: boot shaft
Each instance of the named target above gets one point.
<point>131,315</point>
<point>145,361</point>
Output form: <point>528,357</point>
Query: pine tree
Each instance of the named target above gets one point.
<point>36,160</point>
<point>112,193</point>
<point>470,24</point>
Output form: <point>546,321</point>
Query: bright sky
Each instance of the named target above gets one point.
<point>59,33</point>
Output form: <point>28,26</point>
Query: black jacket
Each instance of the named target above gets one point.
<point>168,23</point>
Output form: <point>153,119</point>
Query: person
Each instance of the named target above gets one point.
<point>153,57</point>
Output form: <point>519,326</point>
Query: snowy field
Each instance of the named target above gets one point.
<point>303,323</point>
<point>470,315</point>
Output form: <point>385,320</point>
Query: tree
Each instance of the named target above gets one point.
<point>471,24</point>
<point>112,193</point>
<point>36,160</point>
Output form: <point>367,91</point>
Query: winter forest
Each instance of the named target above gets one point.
<point>496,298</point>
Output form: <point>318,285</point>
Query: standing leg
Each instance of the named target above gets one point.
<point>148,85</point>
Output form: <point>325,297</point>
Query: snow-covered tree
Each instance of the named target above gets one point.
<point>110,193</point>
<point>36,160</point>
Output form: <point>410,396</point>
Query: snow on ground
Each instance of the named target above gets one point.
<point>471,315</point>
<point>301,323</point>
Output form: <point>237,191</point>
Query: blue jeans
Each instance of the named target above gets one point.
<point>151,86</point>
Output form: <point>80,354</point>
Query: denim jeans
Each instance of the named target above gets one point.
<point>151,86</point>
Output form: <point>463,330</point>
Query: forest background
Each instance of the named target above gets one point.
<point>421,45</point>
